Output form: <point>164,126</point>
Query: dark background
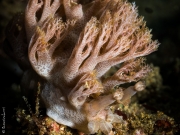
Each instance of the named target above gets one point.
<point>163,17</point>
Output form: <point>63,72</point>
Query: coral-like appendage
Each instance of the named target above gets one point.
<point>71,46</point>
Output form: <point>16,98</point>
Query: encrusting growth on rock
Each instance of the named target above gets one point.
<point>68,46</point>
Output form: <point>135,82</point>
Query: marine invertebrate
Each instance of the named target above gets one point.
<point>71,46</point>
